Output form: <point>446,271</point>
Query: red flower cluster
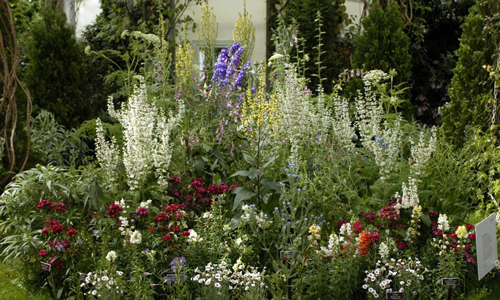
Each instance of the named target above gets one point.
<point>71,231</point>
<point>161,217</point>
<point>389,212</point>
<point>142,211</point>
<point>166,237</point>
<point>54,226</point>
<point>357,226</point>
<point>196,183</point>
<point>44,203</point>
<point>400,245</point>
<point>172,207</point>
<point>175,179</point>
<point>175,193</point>
<point>200,192</point>
<point>220,189</point>
<point>59,206</point>
<point>114,210</point>
<point>57,264</point>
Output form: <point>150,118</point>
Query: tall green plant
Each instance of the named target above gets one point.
<point>207,34</point>
<point>304,14</point>
<point>472,87</point>
<point>244,33</point>
<point>384,45</point>
<point>56,74</point>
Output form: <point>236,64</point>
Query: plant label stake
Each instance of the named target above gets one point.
<point>486,245</point>
<point>394,295</point>
<point>450,282</point>
<point>45,266</point>
<point>134,216</point>
<point>81,276</point>
<point>287,254</point>
<point>172,278</point>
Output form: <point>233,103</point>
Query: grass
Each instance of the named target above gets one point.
<point>11,286</point>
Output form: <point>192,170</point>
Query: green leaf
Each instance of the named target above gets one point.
<point>251,174</point>
<point>235,220</point>
<point>269,162</point>
<point>249,159</point>
<point>426,219</point>
<point>242,194</point>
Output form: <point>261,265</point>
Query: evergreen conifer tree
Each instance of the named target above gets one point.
<point>56,74</point>
<point>472,87</point>
<point>383,44</point>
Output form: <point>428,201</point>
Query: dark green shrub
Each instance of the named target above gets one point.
<point>304,14</point>
<point>472,86</point>
<point>56,74</point>
<point>383,43</point>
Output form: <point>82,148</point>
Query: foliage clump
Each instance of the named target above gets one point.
<point>56,74</point>
<point>383,43</point>
<point>473,89</point>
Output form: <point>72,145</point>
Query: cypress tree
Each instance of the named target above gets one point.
<point>56,74</point>
<point>383,43</point>
<point>471,92</point>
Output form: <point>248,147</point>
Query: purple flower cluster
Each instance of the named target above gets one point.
<point>177,263</point>
<point>227,66</point>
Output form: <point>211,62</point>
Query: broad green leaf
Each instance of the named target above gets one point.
<point>242,194</point>
<point>249,159</point>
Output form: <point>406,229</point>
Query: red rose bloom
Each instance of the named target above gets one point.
<point>472,236</point>
<point>166,237</point>
<point>175,228</point>
<point>43,252</point>
<point>151,230</point>
<point>189,198</point>
<point>185,233</point>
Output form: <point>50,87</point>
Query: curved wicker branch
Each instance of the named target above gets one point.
<point>10,61</point>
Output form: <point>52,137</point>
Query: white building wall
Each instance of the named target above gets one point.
<point>226,12</point>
